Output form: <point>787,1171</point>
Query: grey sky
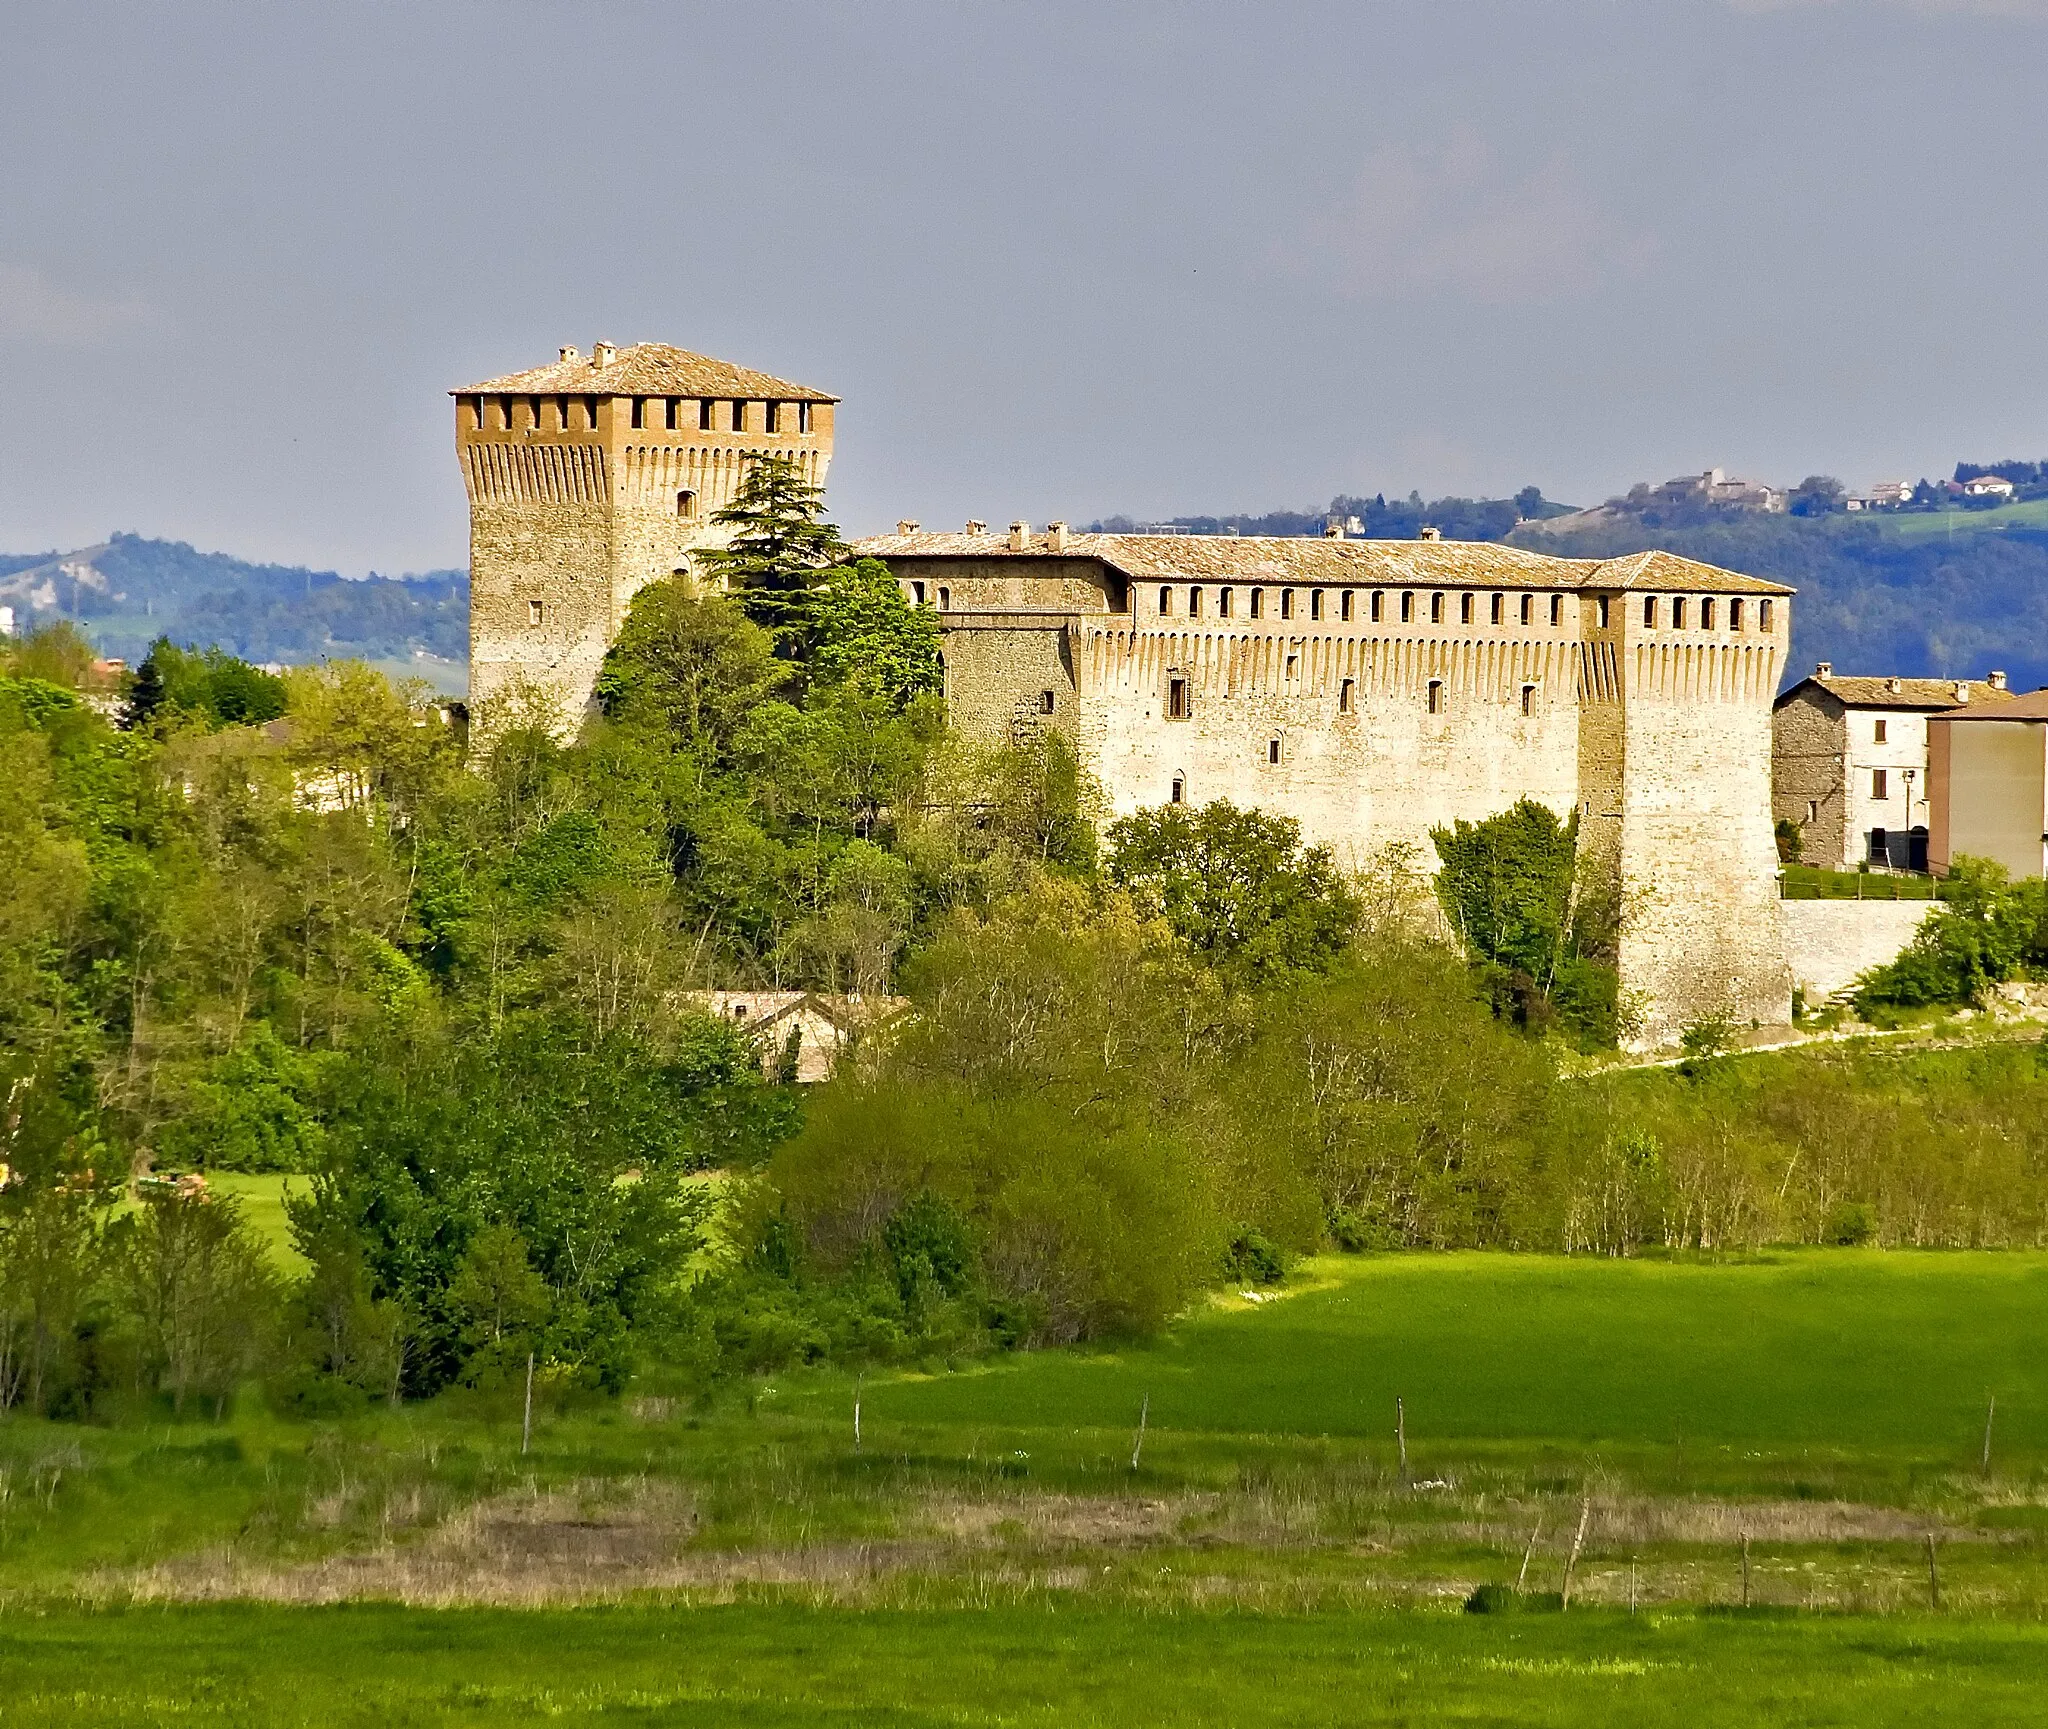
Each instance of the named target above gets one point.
<point>1058,259</point>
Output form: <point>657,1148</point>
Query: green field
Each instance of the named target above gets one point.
<point>1935,524</point>
<point>1793,1426</point>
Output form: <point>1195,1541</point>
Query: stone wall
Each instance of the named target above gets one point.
<point>1809,748</point>
<point>1830,944</point>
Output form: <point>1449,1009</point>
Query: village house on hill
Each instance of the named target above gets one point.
<point>1849,767</point>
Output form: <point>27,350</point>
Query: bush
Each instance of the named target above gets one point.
<point>1254,1259</point>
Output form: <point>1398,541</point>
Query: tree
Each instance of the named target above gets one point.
<point>1506,885</point>
<point>1236,886</point>
<point>195,1283</point>
<point>209,689</point>
<point>780,543</point>
<point>1817,495</point>
<point>862,630</point>
<point>693,664</point>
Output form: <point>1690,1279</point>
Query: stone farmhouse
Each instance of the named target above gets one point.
<point>1849,767</point>
<point>594,476</point>
<point>1375,689</point>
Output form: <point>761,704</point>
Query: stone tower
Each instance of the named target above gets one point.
<point>592,477</point>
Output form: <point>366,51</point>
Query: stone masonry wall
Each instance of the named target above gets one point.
<point>1831,944</point>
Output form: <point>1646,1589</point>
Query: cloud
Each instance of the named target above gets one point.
<point>34,308</point>
<point>1456,219</point>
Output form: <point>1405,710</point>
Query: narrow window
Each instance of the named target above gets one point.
<point>1378,606</point>
<point>639,414</point>
<point>1649,612</point>
<point>1347,696</point>
<point>686,504</point>
<point>1048,701</point>
<point>561,414</point>
<point>803,417</point>
<point>1879,852</point>
<point>1735,615</point>
<point>1877,736</point>
<point>1258,603</point>
<point>1180,790</point>
<point>917,594</point>
<point>1176,699</point>
<point>1528,609</point>
<point>1678,612</point>
<point>1194,603</point>
<point>672,405</point>
<point>1165,602</point>
<point>1603,611</point>
<point>1315,603</point>
<point>772,417</point>
<point>1436,696</point>
<point>1408,606</point>
<point>1706,614</point>
<point>1223,603</point>
<point>1436,609</point>
<point>1763,616</point>
<point>1344,605</point>
<point>1498,611</point>
<point>704,410</point>
<point>1813,810</point>
<point>1464,609</point>
<point>1528,699</point>
<point>1273,749</point>
<point>1287,603</point>
<point>1293,664</point>
<point>739,417</point>
<point>1879,788</point>
<point>1557,610</point>
<point>945,599</point>
<point>535,612</point>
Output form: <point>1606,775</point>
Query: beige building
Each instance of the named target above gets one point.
<point>1849,766</point>
<point>593,476</point>
<point>1375,689</point>
<point>1988,798</point>
<point>824,1027</point>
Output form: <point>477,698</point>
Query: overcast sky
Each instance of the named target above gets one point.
<point>1059,260</point>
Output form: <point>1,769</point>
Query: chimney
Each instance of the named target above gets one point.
<point>1894,685</point>
<point>974,527</point>
<point>602,354</point>
<point>572,354</point>
<point>1962,691</point>
<point>1020,536</point>
<point>1996,681</point>
<point>1431,532</point>
<point>908,525</point>
<point>1055,537</point>
<point>1333,529</point>
<point>1824,669</point>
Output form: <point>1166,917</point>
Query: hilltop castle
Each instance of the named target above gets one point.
<point>592,477</point>
<point>1376,689</point>
<point>1370,689</point>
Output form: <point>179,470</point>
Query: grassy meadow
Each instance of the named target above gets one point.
<point>1658,1437</point>
<point>1937,524</point>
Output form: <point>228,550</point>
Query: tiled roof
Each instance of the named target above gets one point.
<point>1931,694</point>
<point>646,369</point>
<point>2032,706</point>
<point>1301,559</point>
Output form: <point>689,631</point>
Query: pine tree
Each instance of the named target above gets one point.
<point>780,545</point>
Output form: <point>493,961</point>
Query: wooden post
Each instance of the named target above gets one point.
<point>1990,1412</point>
<point>1933,1576</point>
<point>1522,1577</point>
<point>856,1413</point>
<point>1138,1446</point>
<point>1401,1434</point>
<point>526,1422</point>
<point>1571,1564</point>
<point>1745,1569</point>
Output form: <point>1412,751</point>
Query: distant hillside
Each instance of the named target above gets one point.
<point>128,591</point>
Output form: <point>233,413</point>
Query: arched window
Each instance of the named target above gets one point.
<point>945,605</point>
<point>1180,790</point>
<point>686,504</point>
<point>1165,602</point>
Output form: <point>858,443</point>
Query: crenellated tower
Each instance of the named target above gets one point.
<point>594,476</point>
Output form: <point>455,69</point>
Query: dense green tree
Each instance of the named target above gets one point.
<point>780,542</point>
<point>209,688</point>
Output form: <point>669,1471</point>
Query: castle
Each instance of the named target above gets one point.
<point>1372,690</point>
<point>592,477</point>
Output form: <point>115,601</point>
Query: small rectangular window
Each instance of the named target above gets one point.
<point>1436,609</point>
<point>1706,615</point>
<point>1678,612</point>
<point>1287,603</point>
<point>1649,612</point>
<point>772,417</point>
<point>1528,699</point>
<point>1763,616</point>
<point>1557,610</point>
<point>803,417</point>
<point>536,612</point>
<point>1165,602</point>
<point>1194,603</point>
<point>739,417</point>
<point>1813,810</point>
<point>1048,701</point>
<point>1315,603</point>
<point>1879,784</point>
<point>1436,696</point>
<point>1258,602</point>
<point>1272,750</point>
<point>1880,852</point>
<point>1379,606</point>
<point>1345,603</point>
<point>1464,609</point>
<point>672,406</point>
<point>1223,603</point>
<point>1408,606</point>
<point>1878,730</point>
<point>1735,615</point>
<point>917,594</point>
<point>1528,609</point>
<point>1603,611</point>
<point>1176,699</point>
<point>1293,664</point>
<point>1498,609</point>
<point>639,413</point>
<point>945,598</point>
<point>1347,696</point>
<point>704,412</point>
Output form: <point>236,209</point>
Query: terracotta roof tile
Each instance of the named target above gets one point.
<point>2032,706</point>
<point>1932,694</point>
<point>646,369</point>
<point>1303,559</point>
